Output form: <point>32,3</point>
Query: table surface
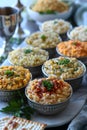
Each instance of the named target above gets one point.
<point>32,27</point>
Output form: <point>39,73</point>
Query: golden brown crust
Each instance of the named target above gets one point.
<point>14,77</point>
<point>73,48</point>
<point>3,122</point>
<point>53,5</point>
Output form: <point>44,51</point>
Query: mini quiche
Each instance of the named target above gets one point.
<point>14,77</point>
<point>49,90</point>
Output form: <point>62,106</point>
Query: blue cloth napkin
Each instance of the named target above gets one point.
<point>80,121</point>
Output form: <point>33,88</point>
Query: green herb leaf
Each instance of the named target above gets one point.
<point>47,84</point>
<point>43,37</point>
<point>26,51</point>
<point>74,43</point>
<point>18,107</point>
<point>48,12</point>
<point>63,61</point>
<point>75,69</point>
<point>9,73</point>
<point>61,70</point>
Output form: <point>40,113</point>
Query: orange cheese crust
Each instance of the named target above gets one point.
<point>73,48</point>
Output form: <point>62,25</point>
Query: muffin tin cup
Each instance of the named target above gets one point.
<point>49,109</point>
<point>52,52</point>
<point>35,71</point>
<point>64,37</point>
<point>7,95</point>
<point>74,82</point>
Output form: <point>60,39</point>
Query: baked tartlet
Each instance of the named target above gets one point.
<point>14,77</point>
<point>78,33</point>
<point>69,69</point>
<point>28,57</point>
<point>63,67</point>
<point>48,90</point>
<point>72,48</point>
<point>13,80</point>
<point>48,96</point>
<point>57,25</point>
<point>44,40</point>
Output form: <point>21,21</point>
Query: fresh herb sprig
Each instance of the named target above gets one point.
<point>18,107</point>
<point>43,37</point>
<point>74,43</point>
<point>48,12</point>
<point>9,73</point>
<point>63,62</point>
<point>26,51</point>
<point>47,84</point>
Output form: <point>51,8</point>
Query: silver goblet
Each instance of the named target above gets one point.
<point>8,22</point>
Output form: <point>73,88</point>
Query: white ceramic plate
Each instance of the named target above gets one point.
<point>57,120</point>
<point>76,103</point>
<point>81,15</point>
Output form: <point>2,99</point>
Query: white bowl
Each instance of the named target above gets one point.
<point>44,17</point>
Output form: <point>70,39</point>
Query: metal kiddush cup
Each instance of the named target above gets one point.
<point>8,22</point>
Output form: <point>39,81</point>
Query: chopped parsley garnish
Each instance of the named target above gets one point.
<point>48,12</point>
<point>43,37</point>
<point>75,69</point>
<point>61,70</point>
<point>26,51</point>
<point>74,43</point>
<point>47,84</point>
<point>9,73</point>
<point>63,61</point>
<point>18,107</point>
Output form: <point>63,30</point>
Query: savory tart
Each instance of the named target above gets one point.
<point>72,48</point>
<point>14,77</point>
<point>27,57</point>
<point>59,26</point>
<point>49,90</point>
<point>44,40</point>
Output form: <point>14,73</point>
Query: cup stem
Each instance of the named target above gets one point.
<point>7,49</point>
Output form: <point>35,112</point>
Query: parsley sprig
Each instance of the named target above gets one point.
<point>43,37</point>
<point>18,107</point>
<point>47,84</point>
<point>26,51</point>
<point>48,12</point>
<point>9,73</point>
<point>63,62</point>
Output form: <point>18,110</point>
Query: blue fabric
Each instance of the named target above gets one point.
<point>80,121</point>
